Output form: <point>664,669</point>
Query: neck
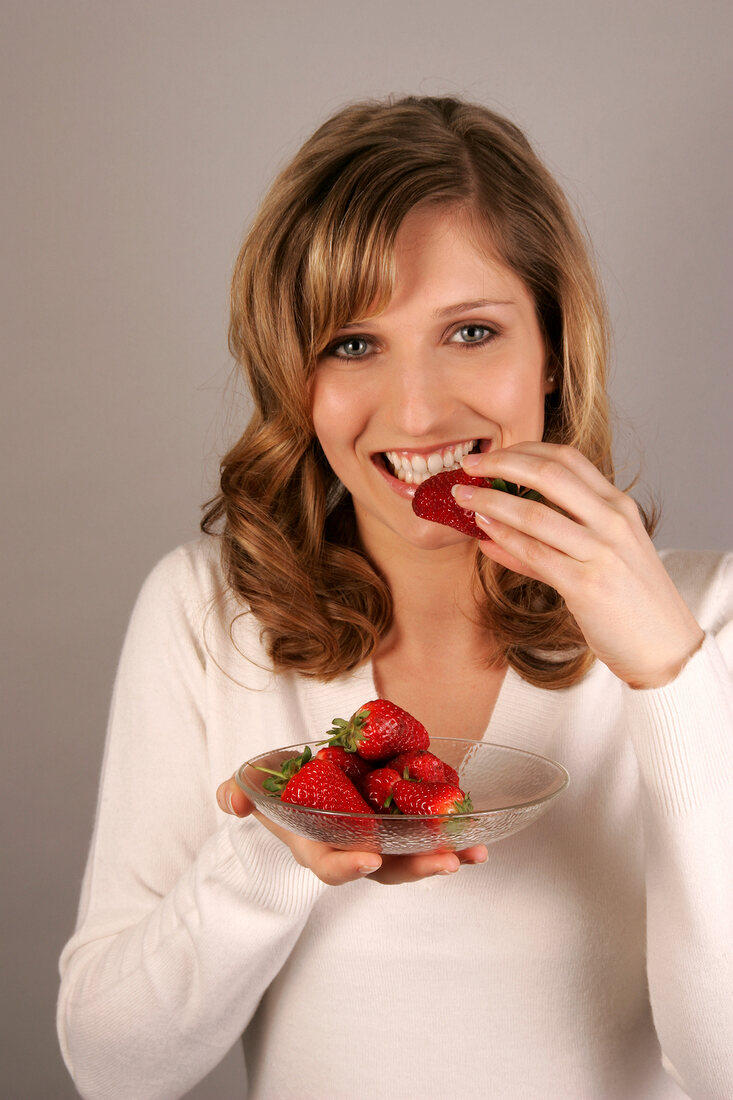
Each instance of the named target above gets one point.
<point>436,612</point>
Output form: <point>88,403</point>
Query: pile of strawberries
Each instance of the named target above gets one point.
<point>376,762</point>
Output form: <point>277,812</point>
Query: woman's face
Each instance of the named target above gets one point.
<point>456,358</point>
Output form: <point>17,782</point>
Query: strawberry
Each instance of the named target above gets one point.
<point>321,785</point>
<point>379,730</point>
<point>276,781</point>
<point>326,773</point>
<point>433,499</point>
<point>377,787</point>
<point>451,775</point>
<point>421,764</point>
<point>430,798</point>
<point>351,763</point>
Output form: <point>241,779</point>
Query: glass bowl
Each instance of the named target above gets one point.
<point>509,789</point>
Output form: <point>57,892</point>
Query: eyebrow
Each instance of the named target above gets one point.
<point>449,311</point>
<point>463,307</point>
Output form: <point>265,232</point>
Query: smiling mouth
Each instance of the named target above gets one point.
<point>413,467</point>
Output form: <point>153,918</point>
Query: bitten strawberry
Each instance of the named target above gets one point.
<point>378,730</point>
<point>351,763</point>
<point>430,798</point>
<point>433,499</point>
<point>377,787</point>
<point>422,764</point>
<point>323,786</point>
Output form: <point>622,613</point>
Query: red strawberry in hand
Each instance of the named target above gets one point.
<point>430,798</point>
<point>378,730</point>
<point>433,500</point>
<point>323,786</point>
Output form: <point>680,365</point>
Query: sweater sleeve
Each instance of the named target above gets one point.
<point>683,739</point>
<point>186,915</point>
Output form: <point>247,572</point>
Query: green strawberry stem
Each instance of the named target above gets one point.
<point>502,486</point>
<point>277,781</point>
<point>347,734</point>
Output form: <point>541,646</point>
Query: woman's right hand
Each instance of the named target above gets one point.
<point>335,866</point>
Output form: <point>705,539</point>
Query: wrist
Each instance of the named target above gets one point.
<point>667,673</point>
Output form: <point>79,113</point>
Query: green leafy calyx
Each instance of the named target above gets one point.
<point>347,735</point>
<point>277,781</point>
<point>502,486</point>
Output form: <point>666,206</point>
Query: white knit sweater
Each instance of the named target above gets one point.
<point>589,959</point>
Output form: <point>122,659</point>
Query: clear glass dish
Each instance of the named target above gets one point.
<point>509,789</point>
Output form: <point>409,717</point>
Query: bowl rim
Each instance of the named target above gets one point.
<point>472,814</point>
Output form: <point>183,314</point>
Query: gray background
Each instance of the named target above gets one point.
<point>138,138</point>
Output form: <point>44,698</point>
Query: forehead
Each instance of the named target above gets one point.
<point>443,259</point>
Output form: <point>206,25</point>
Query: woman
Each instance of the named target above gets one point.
<point>415,286</point>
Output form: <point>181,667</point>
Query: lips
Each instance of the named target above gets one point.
<point>414,467</point>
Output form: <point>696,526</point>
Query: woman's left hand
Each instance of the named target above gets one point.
<point>598,556</point>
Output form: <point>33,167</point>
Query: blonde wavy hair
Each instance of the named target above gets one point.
<point>319,254</point>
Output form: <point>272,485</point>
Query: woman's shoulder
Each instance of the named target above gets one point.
<point>704,578</point>
<point>190,575</point>
<point>186,594</point>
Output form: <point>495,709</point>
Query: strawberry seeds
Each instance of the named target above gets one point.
<point>377,762</point>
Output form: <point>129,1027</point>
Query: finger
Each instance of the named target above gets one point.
<point>529,556</point>
<point>400,869</point>
<point>336,867</point>
<point>333,866</point>
<point>531,517</point>
<point>232,799</point>
<point>564,454</point>
<point>396,870</point>
<point>477,854</point>
<point>560,474</point>
<point>496,553</point>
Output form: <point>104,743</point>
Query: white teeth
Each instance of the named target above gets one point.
<point>414,469</point>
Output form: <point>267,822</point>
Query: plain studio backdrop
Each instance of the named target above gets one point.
<point>138,140</point>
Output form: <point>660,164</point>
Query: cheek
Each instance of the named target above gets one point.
<point>517,404</point>
<point>336,418</point>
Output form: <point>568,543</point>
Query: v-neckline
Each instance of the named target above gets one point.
<point>524,716</point>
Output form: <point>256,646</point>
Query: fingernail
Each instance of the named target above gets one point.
<point>471,460</point>
<point>462,492</point>
<point>368,870</point>
<point>482,519</point>
<point>228,800</point>
<point>448,870</point>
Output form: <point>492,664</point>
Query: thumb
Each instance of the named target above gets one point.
<point>232,799</point>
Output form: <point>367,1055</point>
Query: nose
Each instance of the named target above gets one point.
<point>419,396</point>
